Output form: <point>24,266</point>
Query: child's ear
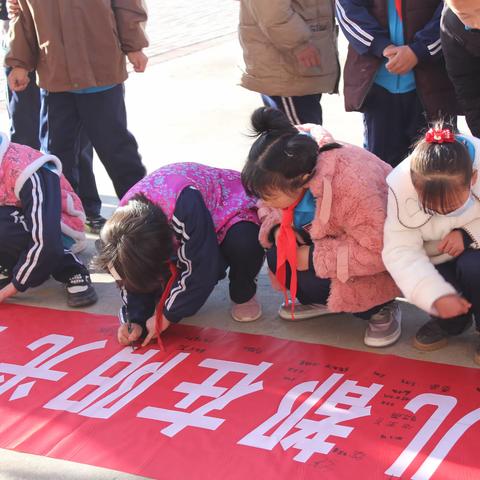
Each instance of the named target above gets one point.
<point>474,177</point>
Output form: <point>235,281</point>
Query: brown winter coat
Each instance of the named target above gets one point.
<point>271,31</point>
<point>434,89</point>
<point>74,44</point>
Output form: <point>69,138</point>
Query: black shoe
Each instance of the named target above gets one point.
<point>80,292</point>
<point>433,335</point>
<point>95,224</point>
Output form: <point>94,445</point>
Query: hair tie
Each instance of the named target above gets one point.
<point>438,135</point>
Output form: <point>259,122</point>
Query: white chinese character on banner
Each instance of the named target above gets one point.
<point>133,369</point>
<point>310,436</point>
<point>208,388</point>
<point>40,367</point>
<point>445,405</point>
<point>2,328</point>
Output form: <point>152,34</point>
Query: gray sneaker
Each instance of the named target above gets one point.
<point>302,312</point>
<point>384,328</point>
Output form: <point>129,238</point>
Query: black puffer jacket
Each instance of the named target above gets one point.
<point>461,49</point>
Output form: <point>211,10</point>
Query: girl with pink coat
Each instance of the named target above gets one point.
<point>323,207</point>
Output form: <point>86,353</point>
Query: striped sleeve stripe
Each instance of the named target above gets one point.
<point>37,232</point>
<point>179,227</point>
<point>181,287</point>
<point>361,35</point>
<point>434,45</point>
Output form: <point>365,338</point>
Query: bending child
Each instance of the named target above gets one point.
<point>333,197</point>
<point>432,234</point>
<point>189,217</point>
<point>41,225</point>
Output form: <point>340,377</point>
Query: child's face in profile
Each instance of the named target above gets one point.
<point>281,199</point>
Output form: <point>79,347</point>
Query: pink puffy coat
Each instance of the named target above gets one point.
<point>347,232</point>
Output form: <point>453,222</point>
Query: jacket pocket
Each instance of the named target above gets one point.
<point>325,40</point>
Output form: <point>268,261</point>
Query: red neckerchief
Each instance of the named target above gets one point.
<point>287,252</point>
<point>398,6</point>
<point>161,304</point>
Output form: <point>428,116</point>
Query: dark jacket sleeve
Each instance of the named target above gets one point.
<point>362,30</point>
<point>41,203</point>
<point>426,42</point>
<point>463,68</point>
<point>199,262</point>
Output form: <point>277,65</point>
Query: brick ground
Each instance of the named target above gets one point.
<point>176,24</point>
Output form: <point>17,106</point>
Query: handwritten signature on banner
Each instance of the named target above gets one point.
<point>337,401</point>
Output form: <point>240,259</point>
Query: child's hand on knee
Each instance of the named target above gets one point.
<point>152,334</point>
<point>452,244</point>
<point>7,292</point>
<point>125,338</point>
<point>451,306</point>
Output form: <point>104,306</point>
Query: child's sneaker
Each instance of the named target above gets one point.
<point>95,224</point>
<point>80,292</point>
<point>302,312</point>
<point>246,312</point>
<point>432,336</point>
<point>384,328</point>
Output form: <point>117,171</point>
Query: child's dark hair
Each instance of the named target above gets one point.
<point>138,243</point>
<point>439,169</point>
<point>281,157</point>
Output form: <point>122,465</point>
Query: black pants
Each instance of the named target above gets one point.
<point>302,109</point>
<point>14,239</point>
<point>240,253</point>
<point>24,112</point>
<point>310,288</point>
<point>464,274</point>
<point>104,119</point>
<point>392,123</point>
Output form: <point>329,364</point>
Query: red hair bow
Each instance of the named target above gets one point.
<point>437,135</point>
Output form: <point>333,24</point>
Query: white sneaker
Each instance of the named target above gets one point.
<point>302,312</point>
<point>384,328</point>
<point>246,312</point>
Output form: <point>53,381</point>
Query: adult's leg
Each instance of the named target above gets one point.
<point>24,113</point>
<point>87,187</point>
<point>104,118</point>
<point>383,125</point>
<point>60,126</point>
<point>244,255</point>
<point>415,120</point>
<point>298,109</point>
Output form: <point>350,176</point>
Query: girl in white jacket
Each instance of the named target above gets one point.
<point>432,234</point>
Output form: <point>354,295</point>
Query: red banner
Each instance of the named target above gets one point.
<point>218,404</point>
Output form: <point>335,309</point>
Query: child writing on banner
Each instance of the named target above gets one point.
<point>41,224</point>
<point>172,239</point>
<point>432,233</point>
<point>324,227</point>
